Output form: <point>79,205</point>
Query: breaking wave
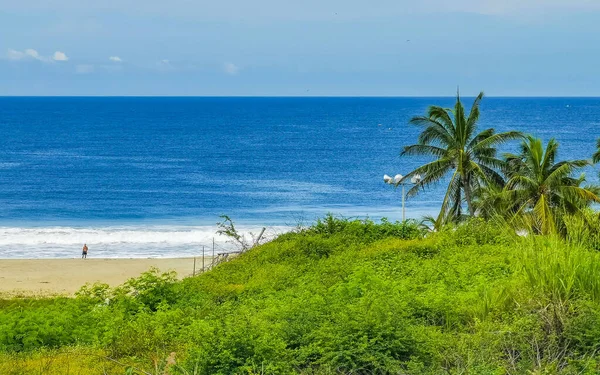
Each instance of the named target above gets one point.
<point>118,241</point>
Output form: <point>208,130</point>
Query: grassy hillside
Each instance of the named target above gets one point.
<point>339,298</point>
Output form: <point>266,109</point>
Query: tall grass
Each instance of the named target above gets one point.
<point>561,271</point>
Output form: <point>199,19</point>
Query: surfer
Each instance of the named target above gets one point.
<point>84,252</point>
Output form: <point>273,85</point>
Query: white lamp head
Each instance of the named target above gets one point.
<point>416,179</point>
<point>387,179</point>
<point>398,178</point>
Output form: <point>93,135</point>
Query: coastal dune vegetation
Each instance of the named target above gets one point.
<point>505,280</point>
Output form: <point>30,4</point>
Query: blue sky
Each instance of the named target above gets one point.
<point>309,47</point>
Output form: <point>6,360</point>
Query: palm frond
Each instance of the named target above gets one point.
<point>596,156</point>
<point>427,150</point>
<point>558,174</point>
<point>441,116</point>
<point>543,217</point>
<point>584,195</point>
<point>460,123</point>
<point>431,173</point>
<point>491,176</point>
<point>433,131</point>
<point>498,139</point>
<point>492,162</point>
<point>481,136</point>
<point>520,182</point>
<point>471,123</point>
<point>550,154</point>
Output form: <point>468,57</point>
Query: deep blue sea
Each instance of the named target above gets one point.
<point>137,177</point>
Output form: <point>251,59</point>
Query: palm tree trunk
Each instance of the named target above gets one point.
<point>467,189</point>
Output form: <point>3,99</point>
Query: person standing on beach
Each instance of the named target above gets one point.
<point>84,252</point>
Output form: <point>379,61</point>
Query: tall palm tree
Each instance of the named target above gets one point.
<point>451,137</point>
<point>539,189</point>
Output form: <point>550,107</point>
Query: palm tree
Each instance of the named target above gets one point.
<point>451,137</point>
<point>539,189</point>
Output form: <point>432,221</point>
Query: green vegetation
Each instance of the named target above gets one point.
<point>511,288</point>
<point>531,191</point>
<point>341,297</point>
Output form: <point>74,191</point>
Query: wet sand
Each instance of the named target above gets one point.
<point>42,277</point>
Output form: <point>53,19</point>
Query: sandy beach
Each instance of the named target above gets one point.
<point>65,276</point>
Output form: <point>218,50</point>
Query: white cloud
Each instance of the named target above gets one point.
<point>31,54</point>
<point>231,68</point>
<point>84,69</point>
<point>115,59</point>
<point>59,56</point>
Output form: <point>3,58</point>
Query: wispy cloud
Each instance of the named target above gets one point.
<point>14,55</point>
<point>31,54</point>
<point>231,68</point>
<point>115,59</point>
<point>84,69</point>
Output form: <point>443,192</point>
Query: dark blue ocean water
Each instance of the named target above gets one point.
<point>152,175</point>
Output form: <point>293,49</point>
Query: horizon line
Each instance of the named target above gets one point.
<point>303,96</point>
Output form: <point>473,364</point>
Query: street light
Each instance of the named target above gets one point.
<point>397,180</point>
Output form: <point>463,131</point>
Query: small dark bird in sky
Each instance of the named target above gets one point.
<point>407,40</point>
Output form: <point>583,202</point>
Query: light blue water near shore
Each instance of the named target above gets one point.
<point>150,176</point>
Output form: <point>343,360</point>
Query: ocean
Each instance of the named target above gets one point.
<point>149,176</point>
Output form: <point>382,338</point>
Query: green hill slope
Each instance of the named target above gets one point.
<point>340,298</point>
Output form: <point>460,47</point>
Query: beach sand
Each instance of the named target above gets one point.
<point>43,277</point>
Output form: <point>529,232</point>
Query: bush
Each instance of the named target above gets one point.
<point>365,231</point>
<point>477,231</point>
<point>31,324</point>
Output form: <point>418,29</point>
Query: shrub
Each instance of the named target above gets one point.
<point>365,231</point>
<point>477,231</point>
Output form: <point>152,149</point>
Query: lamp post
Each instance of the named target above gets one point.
<point>397,180</point>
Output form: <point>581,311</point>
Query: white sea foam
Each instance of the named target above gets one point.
<point>117,241</point>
